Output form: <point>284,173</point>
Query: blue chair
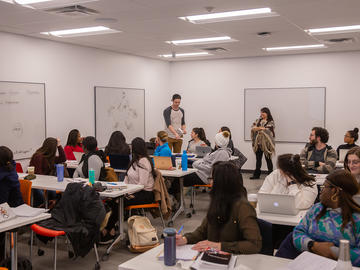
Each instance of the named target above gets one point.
<point>120,162</point>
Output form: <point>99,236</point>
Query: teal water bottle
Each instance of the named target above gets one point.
<point>92,176</point>
<point>184,161</point>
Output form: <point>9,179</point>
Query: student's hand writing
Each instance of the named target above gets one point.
<point>203,245</point>
<point>323,249</point>
<point>180,240</point>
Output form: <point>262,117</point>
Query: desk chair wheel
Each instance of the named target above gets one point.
<point>70,254</point>
<point>191,205</point>
<point>105,257</point>
<point>97,266</point>
<point>40,252</point>
<point>188,215</point>
<point>170,223</point>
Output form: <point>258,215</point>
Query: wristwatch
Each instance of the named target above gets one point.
<point>310,245</point>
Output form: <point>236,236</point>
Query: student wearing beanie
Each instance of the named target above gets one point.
<point>350,137</point>
<point>163,150</point>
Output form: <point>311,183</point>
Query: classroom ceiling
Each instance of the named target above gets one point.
<point>145,25</point>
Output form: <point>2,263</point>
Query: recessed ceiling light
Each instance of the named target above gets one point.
<point>184,54</point>
<point>334,30</point>
<point>201,40</point>
<point>27,2</point>
<point>230,15</point>
<point>81,31</point>
<point>300,47</point>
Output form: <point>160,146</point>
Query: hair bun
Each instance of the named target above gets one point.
<point>226,134</point>
<point>356,130</point>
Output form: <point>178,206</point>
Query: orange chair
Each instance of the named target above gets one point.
<point>54,234</point>
<point>146,206</point>
<point>192,202</point>
<point>25,189</point>
<point>19,168</point>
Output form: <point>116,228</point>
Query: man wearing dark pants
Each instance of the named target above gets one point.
<point>175,124</point>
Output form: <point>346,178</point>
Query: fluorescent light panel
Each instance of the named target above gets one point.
<point>300,47</point>
<point>27,2</point>
<point>230,15</point>
<point>81,31</point>
<point>201,40</point>
<point>334,30</point>
<point>185,54</point>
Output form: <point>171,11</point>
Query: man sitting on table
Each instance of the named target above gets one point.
<point>317,156</point>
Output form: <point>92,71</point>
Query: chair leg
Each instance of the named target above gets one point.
<point>96,253</point>
<point>31,243</point>
<point>143,212</point>
<point>55,251</point>
<point>162,218</point>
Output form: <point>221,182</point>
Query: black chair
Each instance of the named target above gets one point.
<point>266,235</point>
<point>120,162</point>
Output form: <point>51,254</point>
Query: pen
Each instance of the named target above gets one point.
<point>181,228</point>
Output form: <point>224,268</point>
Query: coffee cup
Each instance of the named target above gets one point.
<point>31,170</point>
<point>252,198</point>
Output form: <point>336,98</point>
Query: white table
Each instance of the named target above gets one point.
<point>179,174</point>
<point>73,164</point>
<point>254,261</point>
<point>281,219</point>
<point>320,178</point>
<point>50,183</point>
<point>15,223</point>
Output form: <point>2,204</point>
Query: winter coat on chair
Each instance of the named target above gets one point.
<point>79,213</point>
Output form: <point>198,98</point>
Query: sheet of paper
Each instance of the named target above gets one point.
<point>184,253</point>
<point>311,261</point>
<point>25,210</point>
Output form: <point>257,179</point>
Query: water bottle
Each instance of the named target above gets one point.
<point>92,176</point>
<point>60,172</point>
<point>344,262</point>
<point>169,246</point>
<point>184,161</point>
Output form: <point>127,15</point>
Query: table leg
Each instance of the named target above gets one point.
<point>121,227</point>
<point>182,200</point>
<point>46,199</point>
<point>13,240</point>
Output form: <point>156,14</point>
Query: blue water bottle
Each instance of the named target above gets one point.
<point>184,161</point>
<point>169,246</point>
<point>60,172</point>
<point>92,176</point>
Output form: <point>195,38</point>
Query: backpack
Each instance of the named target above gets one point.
<point>22,263</point>
<point>85,167</point>
<point>142,234</point>
<point>241,159</point>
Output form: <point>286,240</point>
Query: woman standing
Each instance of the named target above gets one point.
<point>263,140</point>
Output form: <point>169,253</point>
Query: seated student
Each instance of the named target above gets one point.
<point>117,145</point>
<point>198,138</point>
<point>350,138</point>
<point>290,178</point>
<point>231,144</point>
<point>73,144</point>
<point>92,159</point>
<point>140,172</point>
<point>336,217</point>
<point>352,162</point>
<point>230,224</point>
<point>9,186</point>
<point>163,150</point>
<point>317,156</point>
<point>44,161</point>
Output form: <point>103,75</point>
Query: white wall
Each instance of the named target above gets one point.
<point>212,91</point>
<point>70,73</point>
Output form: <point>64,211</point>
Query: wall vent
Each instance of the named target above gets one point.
<point>339,40</point>
<point>215,49</point>
<point>73,11</point>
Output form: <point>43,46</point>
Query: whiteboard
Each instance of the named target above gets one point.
<point>121,109</point>
<point>22,117</point>
<point>295,110</point>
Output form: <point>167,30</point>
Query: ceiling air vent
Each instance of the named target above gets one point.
<point>215,49</point>
<point>73,11</point>
<point>339,40</point>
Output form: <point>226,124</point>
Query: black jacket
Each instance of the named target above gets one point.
<point>10,187</point>
<point>79,213</point>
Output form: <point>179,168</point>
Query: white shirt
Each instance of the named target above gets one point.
<point>141,175</point>
<point>276,183</point>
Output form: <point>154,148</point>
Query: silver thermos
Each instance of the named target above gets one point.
<point>344,262</point>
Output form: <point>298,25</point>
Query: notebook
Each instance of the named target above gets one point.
<point>202,151</point>
<point>277,204</point>
<point>163,163</point>
<point>214,259</point>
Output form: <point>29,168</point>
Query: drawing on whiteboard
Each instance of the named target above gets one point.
<point>122,113</point>
<point>17,130</point>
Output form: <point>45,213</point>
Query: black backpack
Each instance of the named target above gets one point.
<point>85,166</point>
<point>23,263</point>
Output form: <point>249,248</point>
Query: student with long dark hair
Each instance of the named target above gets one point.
<point>73,144</point>
<point>352,162</point>
<point>336,217</point>
<point>291,178</point>
<point>230,224</point>
<point>198,138</point>
<point>117,144</point>
<point>263,140</point>
<point>44,161</point>
<point>350,137</point>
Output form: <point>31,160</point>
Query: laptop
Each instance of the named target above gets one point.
<point>119,162</point>
<point>356,198</point>
<point>78,156</point>
<point>277,204</point>
<point>163,163</point>
<point>202,151</point>
<point>342,154</point>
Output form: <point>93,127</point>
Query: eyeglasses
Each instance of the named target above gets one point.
<point>354,162</point>
<point>346,135</point>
